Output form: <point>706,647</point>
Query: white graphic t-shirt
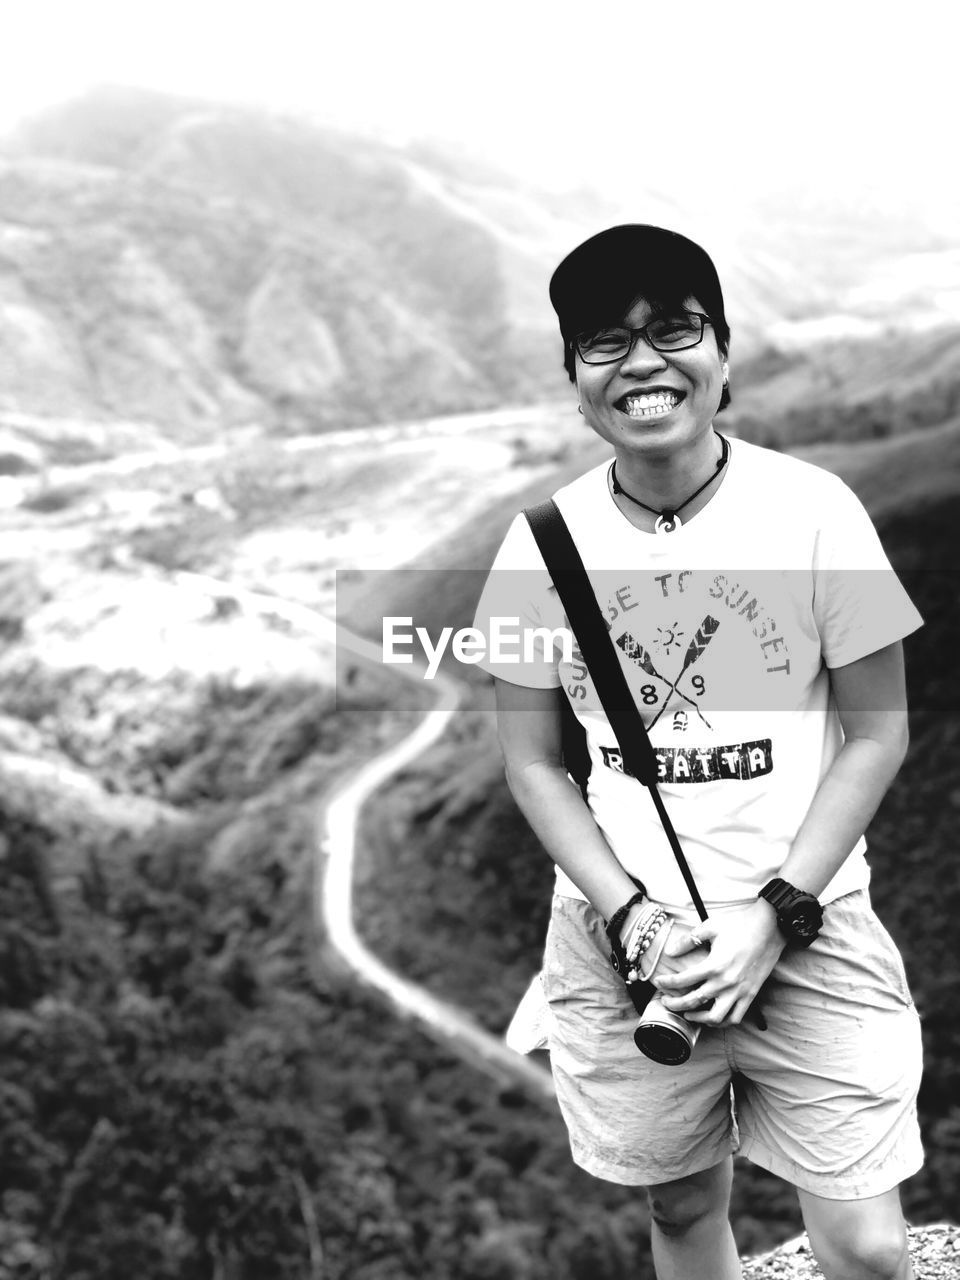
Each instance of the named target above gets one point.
<point>725,630</point>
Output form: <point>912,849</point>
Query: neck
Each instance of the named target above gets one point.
<point>663,481</point>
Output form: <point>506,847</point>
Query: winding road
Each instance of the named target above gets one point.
<point>339,812</point>
<point>337,823</point>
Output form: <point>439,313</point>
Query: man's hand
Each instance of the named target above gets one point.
<point>744,945</point>
<point>678,953</point>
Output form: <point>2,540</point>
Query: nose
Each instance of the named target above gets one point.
<point>642,359</point>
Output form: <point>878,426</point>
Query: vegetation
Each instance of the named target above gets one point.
<point>874,417</point>
<point>190,1087</point>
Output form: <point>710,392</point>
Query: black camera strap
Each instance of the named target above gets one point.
<point>563,562</point>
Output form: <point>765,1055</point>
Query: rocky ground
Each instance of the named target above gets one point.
<point>934,1250</point>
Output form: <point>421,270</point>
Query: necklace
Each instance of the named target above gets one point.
<point>668,519</point>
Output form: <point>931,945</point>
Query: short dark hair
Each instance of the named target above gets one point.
<point>599,281</point>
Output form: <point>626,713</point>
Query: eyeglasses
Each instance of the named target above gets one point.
<point>663,333</point>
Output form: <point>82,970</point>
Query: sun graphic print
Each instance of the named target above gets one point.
<point>668,637</point>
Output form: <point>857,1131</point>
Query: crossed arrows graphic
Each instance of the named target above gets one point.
<point>638,654</point>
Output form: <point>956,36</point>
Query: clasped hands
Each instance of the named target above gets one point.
<point>711,973</point>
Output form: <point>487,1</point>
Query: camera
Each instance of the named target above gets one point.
<point>661,1034</point>
<point>665,1036</point>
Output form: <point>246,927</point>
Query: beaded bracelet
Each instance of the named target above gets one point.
<point>645,931</point>
<point>647,924</point>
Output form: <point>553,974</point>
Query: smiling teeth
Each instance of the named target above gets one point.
<point>650,406</point>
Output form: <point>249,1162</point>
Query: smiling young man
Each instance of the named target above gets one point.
<point>758,626</point>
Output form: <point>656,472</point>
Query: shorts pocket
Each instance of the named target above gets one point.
<point>889,958</point>
<point>578,981</point>
<point>868,950</point>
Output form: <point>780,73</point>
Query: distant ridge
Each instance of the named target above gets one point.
<point>196,267</point>
<point>200,266</point>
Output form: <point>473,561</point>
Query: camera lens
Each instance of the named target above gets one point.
<point>662,1043</point>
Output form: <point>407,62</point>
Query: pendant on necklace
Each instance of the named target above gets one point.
<point>667,522</point>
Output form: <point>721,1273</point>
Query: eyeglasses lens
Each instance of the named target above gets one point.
<point>665,333</point>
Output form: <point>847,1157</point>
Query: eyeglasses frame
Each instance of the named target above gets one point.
<point>642,333</point>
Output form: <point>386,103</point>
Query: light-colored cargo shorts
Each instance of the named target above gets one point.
<point>825,1097</point>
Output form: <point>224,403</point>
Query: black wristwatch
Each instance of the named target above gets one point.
<point>799,914</point>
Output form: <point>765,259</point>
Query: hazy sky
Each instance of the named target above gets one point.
<point>701,98</point>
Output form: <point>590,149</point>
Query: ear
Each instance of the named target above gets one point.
<point>725,370</point>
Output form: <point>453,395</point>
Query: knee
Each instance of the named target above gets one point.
<point>677,1207</point>
<point>877,1254</point>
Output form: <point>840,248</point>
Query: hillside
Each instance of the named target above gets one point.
<point>186,1085</point>
<point>202,267</point>
<point>173,270</point>
<point>901,478</point>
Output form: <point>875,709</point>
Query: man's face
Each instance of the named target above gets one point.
<point>653,402</point>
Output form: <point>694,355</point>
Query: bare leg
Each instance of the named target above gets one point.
<point>858,1239</point>
<point>690,1233</point>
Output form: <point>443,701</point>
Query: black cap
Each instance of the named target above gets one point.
<point>598,282</point>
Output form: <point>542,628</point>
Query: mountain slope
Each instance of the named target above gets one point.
<point>195,266</point>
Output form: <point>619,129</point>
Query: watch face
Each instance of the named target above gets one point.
<point>805,918</point>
